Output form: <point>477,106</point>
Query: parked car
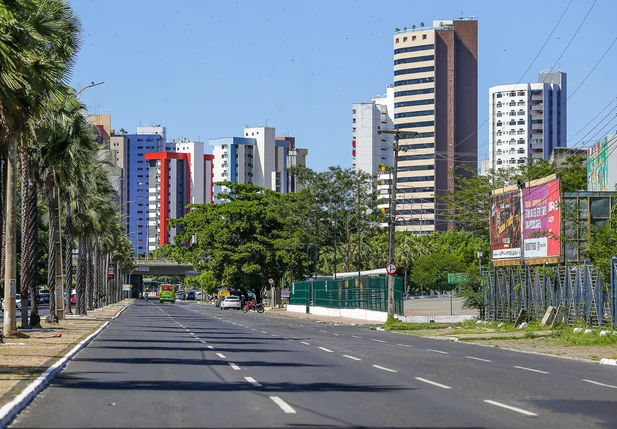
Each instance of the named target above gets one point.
<point>73,298</point>
<point>44,298</point>
<point>190,295</point>
<point>231,302</point>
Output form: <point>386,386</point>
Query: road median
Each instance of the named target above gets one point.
<point>25,359</point>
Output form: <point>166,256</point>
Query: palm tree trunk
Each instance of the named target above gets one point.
<point>97,273</point>
<point>90,277</point>
<point>51,254</point>
<point>10,271</point>
<point>82,278</point>
<point>29,236</point>
<point>68,255</point>
<point>2,218</point>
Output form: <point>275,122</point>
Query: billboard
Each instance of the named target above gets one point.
<point>598,166</point>
<point>506,224</point>
<point>542,220</point>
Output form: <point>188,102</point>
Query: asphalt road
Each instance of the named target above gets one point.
<point>43,311</point>
<point>189,365</point>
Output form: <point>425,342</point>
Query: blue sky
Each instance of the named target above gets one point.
<point>206,69</point>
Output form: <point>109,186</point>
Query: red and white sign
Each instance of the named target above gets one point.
<point>271,281</point>
<point>391,269</point>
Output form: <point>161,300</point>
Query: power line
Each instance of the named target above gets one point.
<point>525,73</point>
<point>594,67</point>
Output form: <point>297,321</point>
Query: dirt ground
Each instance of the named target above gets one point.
<point>24,359</point>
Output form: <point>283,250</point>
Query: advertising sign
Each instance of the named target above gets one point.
<point>597,166</point>
<point>542,221</point>
<point>506,224</point>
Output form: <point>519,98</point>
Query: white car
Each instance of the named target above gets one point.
<point>231,302</point>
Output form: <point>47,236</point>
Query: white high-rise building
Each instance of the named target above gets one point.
<point>258,158</point>
<point>527,120</point>
<point>196,155</point>
<point>369,148</point>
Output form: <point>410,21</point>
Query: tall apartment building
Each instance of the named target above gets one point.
<point>258,158</point>
<point>435,95</point>
<point>146,140</point>
<point>102,122</point>
<point>188,181</point>
<point>527,121</point>
<point>369,148</point>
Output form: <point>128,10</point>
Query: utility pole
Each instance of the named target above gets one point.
<point>392,211</point>
<point>10,264</point>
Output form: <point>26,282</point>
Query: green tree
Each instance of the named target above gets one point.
<point>431,271</point>
<point>603,245</point>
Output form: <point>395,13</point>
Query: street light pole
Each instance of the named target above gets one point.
<point>392,211</point>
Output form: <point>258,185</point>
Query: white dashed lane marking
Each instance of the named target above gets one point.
<point>234,366</point>
<point>600,384</point>
<point>424,380</point>
<point>531,369</point>
<point>480,359</point>
<point>383,368</point>
<point>377,341</point>
<point>351,357</point>
<point>510,407</point>
<point>325,349</point>
<point>252,381</point>
<point>288,409</point>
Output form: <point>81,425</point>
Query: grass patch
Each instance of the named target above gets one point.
<point>568,337</point>
<point>396,325</point>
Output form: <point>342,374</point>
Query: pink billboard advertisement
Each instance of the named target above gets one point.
<point>542,221</point>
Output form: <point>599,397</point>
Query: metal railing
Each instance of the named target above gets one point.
<point>578,291</point>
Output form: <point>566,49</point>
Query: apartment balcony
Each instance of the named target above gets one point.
<point>538,106</point>
<point>537,113</point>
<point>537,127</point>
<point>537,97</point>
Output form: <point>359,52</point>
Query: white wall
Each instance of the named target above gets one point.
<point>264,155</point>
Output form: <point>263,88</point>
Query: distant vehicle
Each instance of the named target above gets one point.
<point>73,298</point>
<point>231,302</point>
<point>190,295</point>
<point>44,298</point>
<point>167,293</point>
<point>18,300</point>
<point>198,294</point>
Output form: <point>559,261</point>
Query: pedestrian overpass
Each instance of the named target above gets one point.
<point>156,267</point>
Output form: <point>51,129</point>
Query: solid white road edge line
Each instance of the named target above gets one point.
<point>424,380</point>
<point>351,357</point>
<point>600,384</point>
<point>480,359</point>
<point>511,408</point>
<point>252,381</point>
<point>383,368</point>
<point>10,410</point>
<point>326,350</point>
<point>531,369</point>
<point>283,405</point>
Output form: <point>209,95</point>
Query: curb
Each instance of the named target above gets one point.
<point>604,361</point>
<point>9,411</point>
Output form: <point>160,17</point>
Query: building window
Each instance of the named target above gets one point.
<point>521,122</point>
<point>414,81</point>
<point>413,38</point>
<point>414,70</point>
<point>397,40</point>
<point>512,122</point>
<point>412,114</point>
<point>499,124</point>
<point>414,49</point>
<point>521,112</point>
<point>499,104</point>
<point>404,39</point>
<point>414,103</point>
<point>498,95</point>
<point>499,162</point>
<point>499,114</point>
<point>414,92</point>
<point>424,37</point>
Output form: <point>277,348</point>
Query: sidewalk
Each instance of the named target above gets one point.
<point>24,359</point>
<point>322,319</point>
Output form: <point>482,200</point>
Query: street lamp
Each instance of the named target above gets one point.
<point>479,253</point>
<point>391,215</point>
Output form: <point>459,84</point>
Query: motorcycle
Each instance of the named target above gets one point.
<point>253,306</point>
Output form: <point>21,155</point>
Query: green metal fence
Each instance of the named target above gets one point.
<point>369,293</point>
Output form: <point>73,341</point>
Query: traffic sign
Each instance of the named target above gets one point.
<point>271,281</point>
<point>391,269</point>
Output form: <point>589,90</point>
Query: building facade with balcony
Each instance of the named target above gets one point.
<point>435,96</point>
<point>527,121</point>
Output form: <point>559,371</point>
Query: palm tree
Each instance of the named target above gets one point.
<point>37,47</point>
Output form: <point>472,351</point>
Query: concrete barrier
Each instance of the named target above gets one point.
<point>352,313</point>
<point>436,319</point>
